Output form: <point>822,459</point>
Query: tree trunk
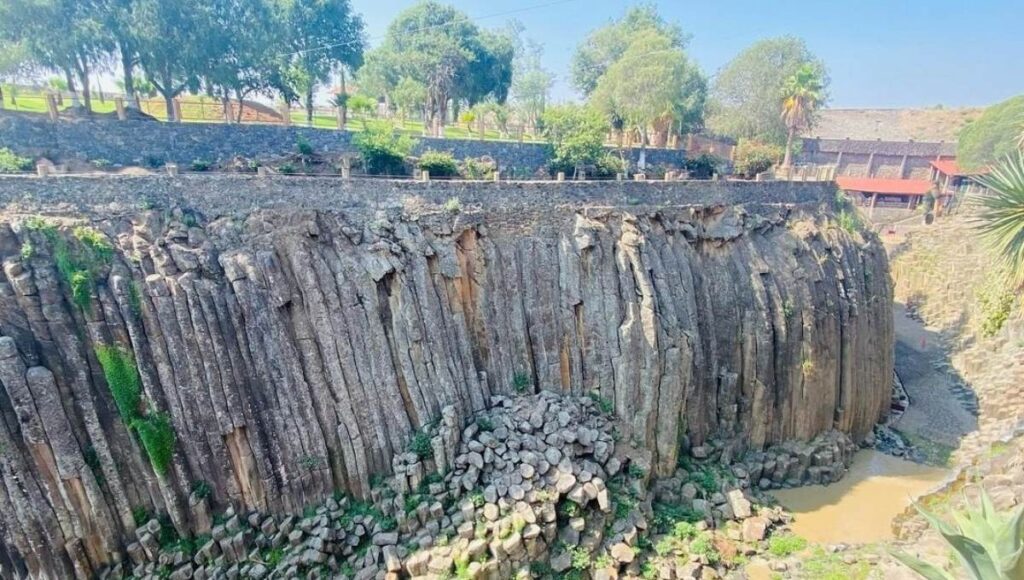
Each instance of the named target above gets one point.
<point>240,96</point>
<point>225,103</point>
<point>128,70</point>
<point>71,87</point>
<point>169,103</point>
<point>83,76</point>
<point>789,148</point>
<point>309,106</point>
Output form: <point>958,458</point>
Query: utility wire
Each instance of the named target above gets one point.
<point>435,26</point>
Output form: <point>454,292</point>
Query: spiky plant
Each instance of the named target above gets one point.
<point>988,543</point>
<point>1001,218</point>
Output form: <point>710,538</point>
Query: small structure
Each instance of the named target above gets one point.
<point>875,191</point>
<point>953,179</point>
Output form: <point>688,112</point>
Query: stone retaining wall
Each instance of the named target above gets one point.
<point>154,143</point>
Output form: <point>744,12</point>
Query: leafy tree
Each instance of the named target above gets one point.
<point>61,35</point>
<point>531,83</point>
<point>995,134</point>
<point>604,46</point>
<point>383,150</point>
<point>242,32</point>
<point>752,157</point>
<point>440,48</point>
<point>576,134</point>
<point>645,91</point>
<point>13,61</point>
<point>172,41</point>
<point>317,36</point>
<point>1002,212</point>
<point>802,95</point>
<point>746,95</point>
<point>409,96</point>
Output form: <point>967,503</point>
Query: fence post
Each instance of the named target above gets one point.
<point>119,105</point>
<point>497,175</point>
<point>172,169</point>
<point>560,176</point>
<point>425,175</point>
<point>346,168</point>
<point>51,106</point>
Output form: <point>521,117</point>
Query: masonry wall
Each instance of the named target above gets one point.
<point>884,159</point>
<point>143,143</point>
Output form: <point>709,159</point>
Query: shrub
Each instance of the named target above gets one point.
<point>286,168</point>
<point>785,545</point>
<point>200,165</point>
<point>157,436</point>
<point>576,134</point>
<point>995,301</point>
<point>420,445</point>
<point>610,165</point>
<point>303,146</point>
<point>606,406</point>
<point>521,382</point>
<point>383,150</point>
<point>438,163</point>
<point>122,378</point>
<point>453,205</point>
<point>11,163</point>
<point>201,489</point>
<point>484,424</point>
<point>752,157</point>
<point>703,166</point>
<point>702,546</point>
<point>478,168</point>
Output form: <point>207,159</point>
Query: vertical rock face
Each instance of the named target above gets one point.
<point>294,353</point>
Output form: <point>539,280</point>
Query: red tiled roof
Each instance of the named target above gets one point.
<point>951,167</point>
<point>884,186</point>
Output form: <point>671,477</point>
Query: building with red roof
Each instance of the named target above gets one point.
<point>881,191</point>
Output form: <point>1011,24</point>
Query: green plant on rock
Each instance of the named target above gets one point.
<point>157,436</point>
<point>453,205</point>
<point>140,515</point>
<point>27,250</point>
<point>122,377</point>
<point>383,150</point>
<point>438,164</point>
<point>484,424</point>
<point>995,301</point>
<point>785,544</point>
<point>581,558</point>
<point>420,445</point>
<point>11,163</point>
<point>606,406</point>
<point>521,382</point>
<point>989,542</point>
<point>201,489</point>
<point>703,546</point>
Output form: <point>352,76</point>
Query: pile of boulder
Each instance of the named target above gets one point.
<point>534,486</point>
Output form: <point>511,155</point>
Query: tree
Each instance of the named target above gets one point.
<point>172,41</point>
<point>409,96</point>
<point>61,35</point>
<point>1002,212</point>
<point>998,132</point>
<point>13,61</point>
<point>745,97</point>
<point>651,85</point>
<point>604,46</point>
<point>441,49</point>
<point>576,135</point>
<point>802,96</point>
<point>242,31</point>
<point>531,83</point>
<point>318,36</point>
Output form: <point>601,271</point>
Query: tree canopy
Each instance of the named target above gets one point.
<point>605,45</point>
<point>442,50</point>
<point>802,96</point>
<point>998,132</point>
<point>747,94</point>
<point>576,134</point>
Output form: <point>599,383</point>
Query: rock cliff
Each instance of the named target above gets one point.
<point>166,360</point>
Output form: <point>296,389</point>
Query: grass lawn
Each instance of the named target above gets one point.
<point>206,109</point>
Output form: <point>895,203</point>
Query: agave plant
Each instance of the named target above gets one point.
<point>989,544</point>
<point>1002,212</point>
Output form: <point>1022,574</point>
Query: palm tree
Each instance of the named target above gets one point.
<point>1002,212</point>
<point>802,95</point>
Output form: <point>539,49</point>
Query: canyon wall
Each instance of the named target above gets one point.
<point>160,338</point>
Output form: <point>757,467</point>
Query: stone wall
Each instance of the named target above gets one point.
<point>153,143</point>
<point>295,349</point>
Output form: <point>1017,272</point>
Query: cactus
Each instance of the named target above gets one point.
<point>990,545</point>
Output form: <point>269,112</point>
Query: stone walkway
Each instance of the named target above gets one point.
<point>942,408</point>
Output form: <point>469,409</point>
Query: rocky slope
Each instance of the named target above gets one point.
<point>164,361</point>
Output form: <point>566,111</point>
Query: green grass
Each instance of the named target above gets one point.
<point>822,565</point>
<point>785,545</point>
<point>932,452</point>
<point>157,436</point>
<point>119,369</point>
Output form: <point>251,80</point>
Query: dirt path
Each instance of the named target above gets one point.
<point>942,409</point>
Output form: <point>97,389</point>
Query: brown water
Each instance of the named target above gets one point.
<point>860,507</point>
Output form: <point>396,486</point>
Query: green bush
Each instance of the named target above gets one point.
<point>200,165</point>
<point>11,163</point>
<point>478,168</point>
<point>995,301</point>
<point>703,546</point>
<point>753,157</point>
<point>420,445</point>
<point>610,165</point>
<point>785,545</point>
<point>303,146</point>
<point>992,136</point>
<point>438,164</point>
<point>383,150</point>
<point>122,378</point>
<point>576,134</point>
<point>157,436</point>
<point>704,166</point>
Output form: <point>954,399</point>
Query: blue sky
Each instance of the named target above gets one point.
<point>880,53</point>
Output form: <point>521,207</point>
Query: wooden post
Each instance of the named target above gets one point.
<point>424,175</point>
<point>172,169</point>
<point>497,176</point>
<point>874,200</point>
<point>560,176</point>
<point>51,107</point>
<point>346,168</point>
<point>119,105</point>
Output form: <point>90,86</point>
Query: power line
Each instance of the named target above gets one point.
<point>435,26</point>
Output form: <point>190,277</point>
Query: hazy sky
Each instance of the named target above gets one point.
<point>880,53</point>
